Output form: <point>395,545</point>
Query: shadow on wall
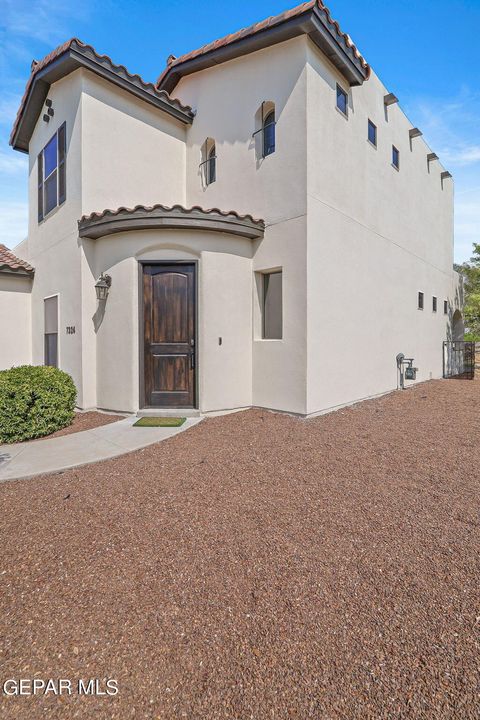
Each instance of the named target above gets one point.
<point>455,325</point>
<point>99,314</point>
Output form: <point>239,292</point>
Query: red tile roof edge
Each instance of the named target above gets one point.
<point>263,25</point>
<point>11,261</point>
<point>118,69</point>
<point>150,208</point>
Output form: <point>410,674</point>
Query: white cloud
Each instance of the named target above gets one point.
<point>45,21</point>
<point>450,127</point>
<point>13,163</point>
<point>13,222</point>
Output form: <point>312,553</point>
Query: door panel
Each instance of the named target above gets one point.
<point>169,335</point>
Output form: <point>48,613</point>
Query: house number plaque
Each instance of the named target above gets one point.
<point>70,329</point>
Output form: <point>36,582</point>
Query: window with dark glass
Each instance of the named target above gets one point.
<point>445,307</point>
<point>420,301</point>
<point>50,306</point>
<point>211,165</point>
<point>342,100</point>
<point>272,306</point>
<point>51,174</point>
<point>395,157</point>
<point>372,133</point>
<point>434,304</point>
<point>269,134</point>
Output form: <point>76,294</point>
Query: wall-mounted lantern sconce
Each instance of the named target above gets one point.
<point>414,132</point>
<point>390,99</point>
<point>102,286</point>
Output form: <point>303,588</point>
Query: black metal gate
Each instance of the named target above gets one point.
<point>459,359</point>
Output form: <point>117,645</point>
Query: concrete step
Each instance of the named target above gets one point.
<point>169,412</point>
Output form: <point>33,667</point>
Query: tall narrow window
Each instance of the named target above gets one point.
<point>420,301</point>
<point>272,306</point>
<point>342,100</point>
<point>434,304</point>
<point>51,173</point>
<point>269,134</point>
<point>211,165</point>
<point>395,157</point>
<point>50,306</point>
<point>445,307</point>
<point>372,133</point>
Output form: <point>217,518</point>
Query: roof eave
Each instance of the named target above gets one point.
<point>315,23</point>
<point>66,63</point>
<point>160,218</point>
<point>5,270</point>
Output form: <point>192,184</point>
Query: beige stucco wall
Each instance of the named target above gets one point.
<point>119,152</point>
<point>15,320</point>
<point>376,236</point>
<point>355,239</point>
<point>224,310</point>
<point>228,99</point>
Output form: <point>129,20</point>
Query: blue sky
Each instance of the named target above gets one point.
<point>425,52</point>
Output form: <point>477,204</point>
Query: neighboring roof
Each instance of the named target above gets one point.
<point>159,216</point>
<point>10,263</point>
<point>65,59</point>
<point>312,18</point>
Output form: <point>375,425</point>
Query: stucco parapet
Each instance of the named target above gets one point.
<point>158,216</point>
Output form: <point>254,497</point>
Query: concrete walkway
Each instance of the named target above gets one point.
<point>27,459</point>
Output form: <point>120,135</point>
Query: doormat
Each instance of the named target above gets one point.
<point>159,422</point>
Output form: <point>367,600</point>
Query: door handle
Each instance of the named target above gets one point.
<point>192,360</point>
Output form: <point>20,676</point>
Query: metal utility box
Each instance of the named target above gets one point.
<point>411,373</point>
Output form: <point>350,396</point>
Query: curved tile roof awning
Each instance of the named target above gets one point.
<point>310,18</point>
<point>177,217</point>
<point>10,263</point>
<point>65,59</point>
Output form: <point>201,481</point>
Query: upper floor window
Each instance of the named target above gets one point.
<point>445,307</point>
<point>420,300</point>
<point>342,100</point>
<point>209,161</point>
<point>372,133</point>
<point>268,132</point>
<point>51,173</point>
<point>395,157</point>
<point>434,304</point>
<point>212,165</point>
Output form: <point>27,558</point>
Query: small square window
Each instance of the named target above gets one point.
<point>445,307</point>
<point>372,133</point>
<point>342,100</point>
<point>420,301</point>
<point>434,304</point>
<point>395,157</point>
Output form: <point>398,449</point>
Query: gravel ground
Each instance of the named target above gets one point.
<point>258,566</point>
<point>84,421</point>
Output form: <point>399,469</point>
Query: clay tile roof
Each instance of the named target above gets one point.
<point>269,22</point>
<point>123,219</point>
<point>11,263</point>
<point>173,208</point>
<point>88,51</point>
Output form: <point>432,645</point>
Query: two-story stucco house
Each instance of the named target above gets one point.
<point>261,227</point>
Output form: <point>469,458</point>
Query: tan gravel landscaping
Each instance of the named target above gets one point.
<point>257,566</point>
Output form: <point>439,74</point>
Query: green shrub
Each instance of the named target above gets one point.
<point>34,401</point>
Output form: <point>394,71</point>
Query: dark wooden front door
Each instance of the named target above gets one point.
<point>169,335</point>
